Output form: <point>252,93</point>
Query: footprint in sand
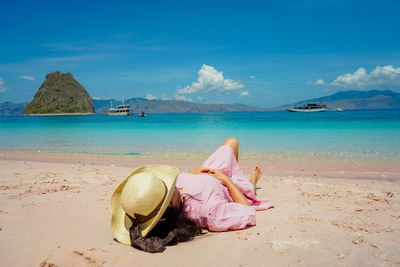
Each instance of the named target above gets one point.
<point>45,263</point>
<point>90,261</point>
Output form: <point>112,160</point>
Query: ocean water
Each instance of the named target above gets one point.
<point>369,134</point>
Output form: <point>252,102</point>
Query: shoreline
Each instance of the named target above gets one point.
<point>271,163</point>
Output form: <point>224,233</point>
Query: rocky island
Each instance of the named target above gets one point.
<point>60,94</point>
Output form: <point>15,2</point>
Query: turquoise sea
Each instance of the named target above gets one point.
<point>368,134</point>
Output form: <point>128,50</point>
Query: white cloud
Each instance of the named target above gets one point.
<point>200,99</point>
<point>244,94</point>
<point>211,80</point>
<point>183,98</point>
<point>252,77</point>
<point>180,97</point>
<point>317,82</point>
<point>26,77</point>
<point>380,78</point>
<point>151,97</point>
<point>2,87</point>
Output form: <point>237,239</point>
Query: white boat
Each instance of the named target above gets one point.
<point>339,109</point>
<point>310,107</point>
<point>121,110</point>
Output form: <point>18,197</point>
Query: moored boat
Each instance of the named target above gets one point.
<point>121,110</point>
<point>310,107</point>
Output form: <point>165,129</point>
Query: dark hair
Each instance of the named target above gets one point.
<point>174,219</point>
<point>172,228</point>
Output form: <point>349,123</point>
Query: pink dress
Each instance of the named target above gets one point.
<point>208,202</point>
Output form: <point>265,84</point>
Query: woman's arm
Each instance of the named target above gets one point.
<point>236,195</point>
<point>200,170</point>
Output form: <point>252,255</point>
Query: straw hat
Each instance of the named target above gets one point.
<point>143,195</point>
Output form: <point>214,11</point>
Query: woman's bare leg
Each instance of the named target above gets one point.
<point>234,144</point>
<point>256,173</point>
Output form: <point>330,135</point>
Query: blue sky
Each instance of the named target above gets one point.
<point>263,53</point>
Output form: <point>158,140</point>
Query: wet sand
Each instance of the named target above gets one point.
<point>54,210</point>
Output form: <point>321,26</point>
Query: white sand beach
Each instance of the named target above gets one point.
<point>54,211</point>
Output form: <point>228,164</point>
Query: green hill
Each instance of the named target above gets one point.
<point>60,93</point>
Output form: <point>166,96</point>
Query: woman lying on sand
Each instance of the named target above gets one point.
<point>154,206</point>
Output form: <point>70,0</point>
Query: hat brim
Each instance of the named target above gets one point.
<point>120,222</point>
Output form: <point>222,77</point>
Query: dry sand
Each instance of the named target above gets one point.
<point>54,212</point>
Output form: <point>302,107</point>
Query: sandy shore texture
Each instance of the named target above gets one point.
<point>54,211</point>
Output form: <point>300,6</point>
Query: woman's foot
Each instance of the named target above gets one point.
<point>255,176</point>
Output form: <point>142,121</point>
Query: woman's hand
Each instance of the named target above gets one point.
<point>218,174</point>
<point>200,170</point>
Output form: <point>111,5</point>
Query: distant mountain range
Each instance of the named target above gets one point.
<point>171,106</point>
<point>10,109</point>
<point>374,99</point>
